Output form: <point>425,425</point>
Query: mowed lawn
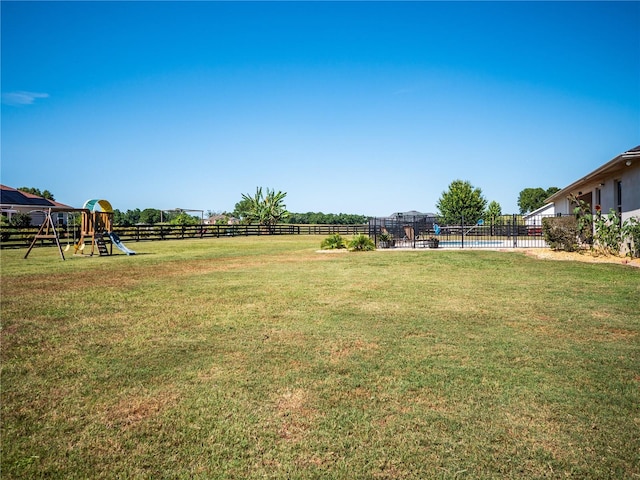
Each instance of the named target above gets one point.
<point>262,358</point>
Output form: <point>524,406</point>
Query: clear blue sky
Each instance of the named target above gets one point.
<point>362,107</point>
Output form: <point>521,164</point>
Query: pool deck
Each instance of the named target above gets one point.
<point>475,244</point>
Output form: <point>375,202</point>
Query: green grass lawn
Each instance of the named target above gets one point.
<point>258,357</point>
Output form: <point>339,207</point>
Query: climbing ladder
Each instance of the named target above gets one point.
<point>102,247</point>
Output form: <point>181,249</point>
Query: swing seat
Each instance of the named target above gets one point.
<point>66,249</point>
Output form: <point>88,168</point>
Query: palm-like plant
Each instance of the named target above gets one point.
<point>361,243</point>
<point>266,210</point>
<point>333,242</point>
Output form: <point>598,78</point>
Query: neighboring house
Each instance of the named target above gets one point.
<point>533,220</point>
<point>214,219</point>
<point>14,201</point>
<point>613,186</point>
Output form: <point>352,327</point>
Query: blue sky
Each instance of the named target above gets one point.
<point>354,107</point>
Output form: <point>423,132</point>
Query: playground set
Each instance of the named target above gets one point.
<point>97,223</point>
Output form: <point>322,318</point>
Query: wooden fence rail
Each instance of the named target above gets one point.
<point>19,238</point>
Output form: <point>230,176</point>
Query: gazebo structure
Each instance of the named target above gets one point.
<point>404,227</point>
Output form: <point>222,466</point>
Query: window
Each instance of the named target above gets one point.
<point>598,197</point>
<point>619,196</point>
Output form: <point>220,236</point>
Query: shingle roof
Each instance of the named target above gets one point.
<point>11,196</point>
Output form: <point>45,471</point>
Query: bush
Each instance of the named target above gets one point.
<point>361,243</point>
<point>608,233</point>
<point>631,231</point>
<point>333,242</point>
<point>4,228</point>
<point>561,233</point>
<point>20,220</point>
<point>385,240</point>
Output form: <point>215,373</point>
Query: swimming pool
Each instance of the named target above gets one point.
<point>475,244</point>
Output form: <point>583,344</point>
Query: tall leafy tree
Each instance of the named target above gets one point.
<point>183,218</point>
<point>552,190</point>
<point>150,215</point>
<point>494,211</point>
<point>531,199</point>
<point>36,191</point>
<point>267,209</point>
<point>461,201</point>
<point>242,208</point>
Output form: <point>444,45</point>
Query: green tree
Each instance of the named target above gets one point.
<point>494,211</point>
<point>36,191</point>
<point>241,210</point>
<point>150,216</point>
<point>183,218</point>
<point>267,209</point>
<point>319,218</point>
<point>552,190</point>
<point>460,201</point>
<point>531,199</point>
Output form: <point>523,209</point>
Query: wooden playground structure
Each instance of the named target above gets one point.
<point>97,222</point>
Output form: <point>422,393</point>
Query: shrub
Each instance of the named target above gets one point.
<point>333,242</point>
<point>631,231</point>
<point>385,240</point>
<point>361,243</point>
<point>4,227</point>
<point>20,220</point>
<point>561,233</point>
<point>584,218</point>
<point>608,233</point>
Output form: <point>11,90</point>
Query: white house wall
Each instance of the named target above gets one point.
<point>535,217</point>
<point>37,215</point>
<point>631,191</point>
<point>630,178</point>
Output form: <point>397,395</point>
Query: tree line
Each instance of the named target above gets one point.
<point>460,201</point>
<point>464,202</point>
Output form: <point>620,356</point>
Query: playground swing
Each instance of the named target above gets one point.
<point>97,222</point>
<point>68,247</point>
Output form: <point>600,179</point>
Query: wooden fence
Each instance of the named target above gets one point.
<point>18,238</point>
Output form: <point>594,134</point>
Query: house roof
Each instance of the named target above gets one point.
<point>607,170</point>
<point>411,213</point>
<point>539,211</point>
<point>17,198</point>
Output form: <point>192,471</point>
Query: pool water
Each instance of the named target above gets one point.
<point>474,243</point>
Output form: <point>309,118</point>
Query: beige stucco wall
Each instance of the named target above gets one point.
<point>630,178</point>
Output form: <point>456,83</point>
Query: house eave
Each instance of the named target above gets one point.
<point>617,164</point>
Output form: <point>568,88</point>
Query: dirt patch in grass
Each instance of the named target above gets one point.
<point>347,349</point>
<point>133,409</point>
<point>584,256</point>
<point>295,414</point>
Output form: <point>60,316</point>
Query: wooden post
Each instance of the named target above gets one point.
<point>48,222</point>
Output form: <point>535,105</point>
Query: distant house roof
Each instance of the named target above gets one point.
<point>547,209</point>
<point>411,213</point>
<point>605,171</point>
<point>17,198</point>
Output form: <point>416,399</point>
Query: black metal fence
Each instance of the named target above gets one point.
<point>22,237</point>
<point>506,231</point>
